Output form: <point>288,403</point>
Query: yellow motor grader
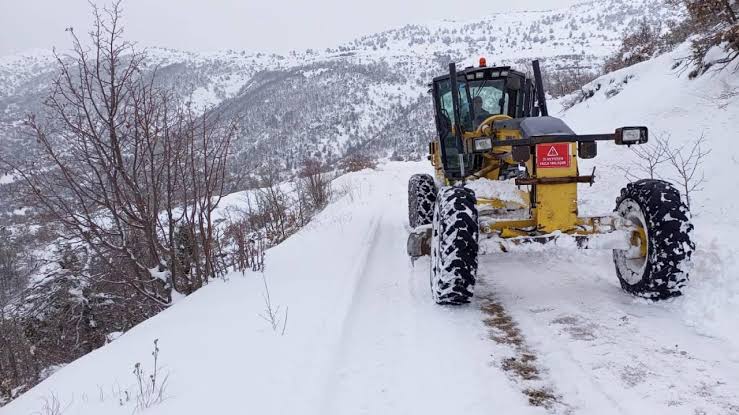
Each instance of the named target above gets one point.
<point>493,131</point>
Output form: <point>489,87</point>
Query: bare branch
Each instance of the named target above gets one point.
<point>687,162</point>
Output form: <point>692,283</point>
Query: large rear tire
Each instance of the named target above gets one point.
<point>656,206</point>
<point>454,246</point>
<point>421,199</point>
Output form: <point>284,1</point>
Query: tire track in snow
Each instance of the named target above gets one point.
<point>359,276</point>
<point>368,373</point>
<point>522,364</point>
<point>397,352</point>
<point>400,353</point>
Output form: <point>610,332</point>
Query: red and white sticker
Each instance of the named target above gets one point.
<point>556,155</point>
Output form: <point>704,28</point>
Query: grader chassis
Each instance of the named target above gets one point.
<point>493,125</point>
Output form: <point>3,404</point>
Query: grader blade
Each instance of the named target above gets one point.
<point>619,239</point>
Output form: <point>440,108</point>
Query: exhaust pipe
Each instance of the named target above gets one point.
<point>541,99</point>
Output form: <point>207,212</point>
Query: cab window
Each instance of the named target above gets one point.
<point>488,98</point>
<point>445,101</point>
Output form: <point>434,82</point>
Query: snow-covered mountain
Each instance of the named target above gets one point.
<point>365,94</point>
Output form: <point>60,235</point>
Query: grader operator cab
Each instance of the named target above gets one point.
<point>493,125</point>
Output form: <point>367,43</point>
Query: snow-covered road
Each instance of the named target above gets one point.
<point>363,335</point>
<point>398,353</point>
<point>596,349</point>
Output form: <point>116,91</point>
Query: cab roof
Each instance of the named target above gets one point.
<point>483,72</point>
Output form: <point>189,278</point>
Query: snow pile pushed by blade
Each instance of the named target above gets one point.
<point>504,190</point>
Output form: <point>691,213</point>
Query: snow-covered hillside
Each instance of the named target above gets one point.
<point>584,33</point>
<point>658,94</point>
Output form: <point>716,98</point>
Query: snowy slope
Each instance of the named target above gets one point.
<point>583,33</point>
<point>364,337</point>
<point>655,95</point>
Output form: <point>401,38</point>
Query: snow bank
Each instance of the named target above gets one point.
<point>711,302</point>
<point>497,189</point>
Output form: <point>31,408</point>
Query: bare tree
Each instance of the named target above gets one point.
<point>639,44</point>
<point>130,176</point>
<point>649,157</point>
<point>16,263</point>
<point>247,246</point>
<point>562,81</point>
<point>687,161</point>
<point>357,161</point>
<point>711,23</point>
<point>19,367</point>
<point>317,184</point>
<point>272,214</point>
<point>206,140</point>
<point>123,165</point>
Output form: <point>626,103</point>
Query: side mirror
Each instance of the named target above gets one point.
<point>631,135</point>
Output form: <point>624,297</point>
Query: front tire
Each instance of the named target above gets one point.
<point>421,199</point>
<point>656,206</point>
<point>454,246</point>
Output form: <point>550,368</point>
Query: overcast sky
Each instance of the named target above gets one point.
<point>264,25</point>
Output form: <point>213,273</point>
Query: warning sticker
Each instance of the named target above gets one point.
<point>553,155</point>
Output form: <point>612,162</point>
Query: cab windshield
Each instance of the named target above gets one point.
<point>479,99</point>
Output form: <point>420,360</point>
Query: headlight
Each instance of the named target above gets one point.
<point>483,144</point>
<point>632,135</point>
